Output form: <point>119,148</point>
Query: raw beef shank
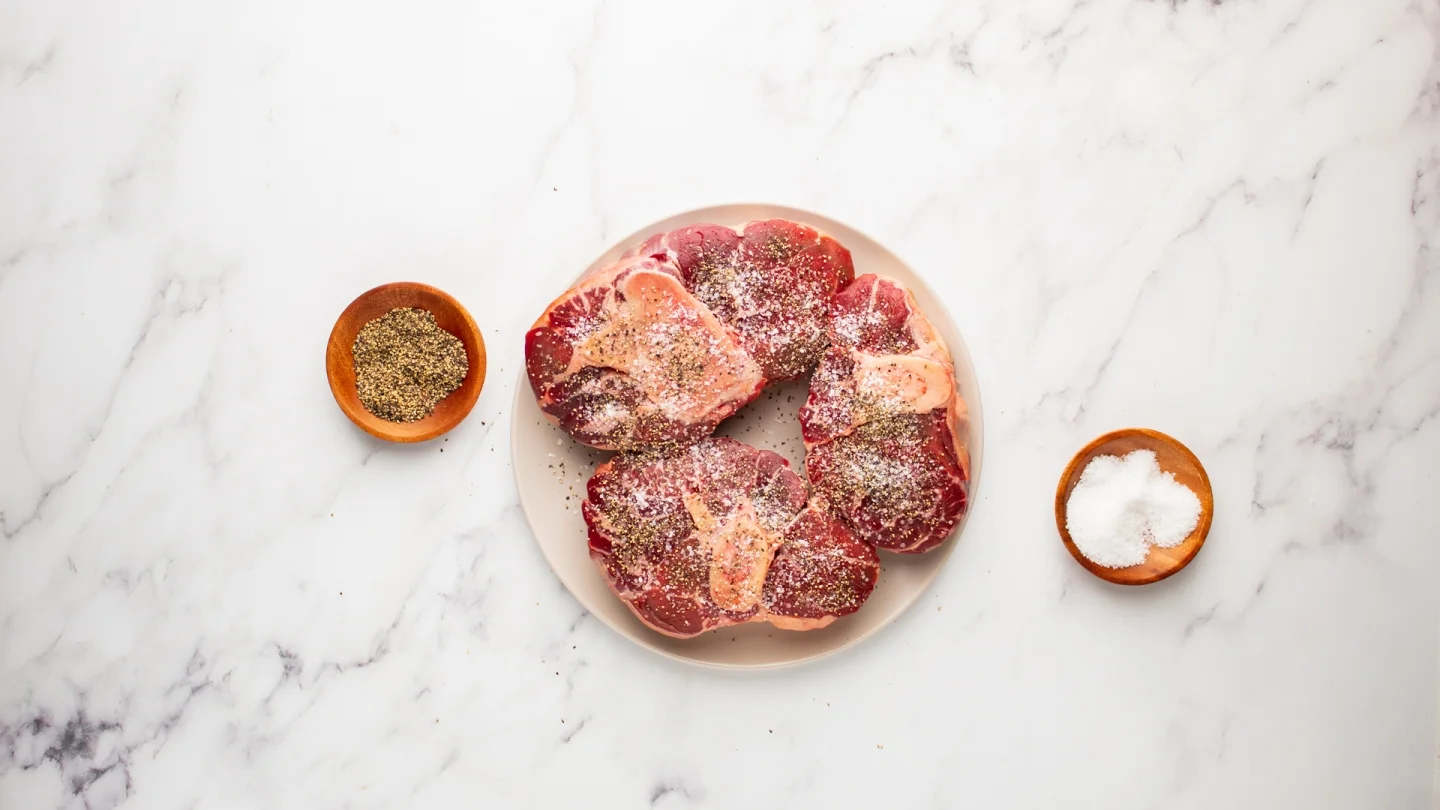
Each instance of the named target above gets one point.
<point>720,533</point>
<point>686,328</point>
<point>770,280</point>
<point>628,359</point>
<point>884,427</point>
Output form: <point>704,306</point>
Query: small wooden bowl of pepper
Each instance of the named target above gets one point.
<point>382,303</point>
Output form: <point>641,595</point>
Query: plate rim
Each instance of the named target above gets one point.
<point>976,443</point>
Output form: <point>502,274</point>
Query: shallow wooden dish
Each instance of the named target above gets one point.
<point>449,314</point>
<point>1174,458</point>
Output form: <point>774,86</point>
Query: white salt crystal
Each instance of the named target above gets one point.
<point>1123,505</point>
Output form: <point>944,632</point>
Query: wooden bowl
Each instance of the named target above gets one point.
<point>1174,458</point>
<point>449,315</point>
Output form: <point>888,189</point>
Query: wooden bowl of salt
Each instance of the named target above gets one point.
<point>450,316</point>
<point>1123,496</point>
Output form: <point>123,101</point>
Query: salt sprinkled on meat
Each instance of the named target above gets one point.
<point>730,541</point>
<point>880,423</point>
<point>630,360</point>
<point>849,326</point>
<point>771,281</point>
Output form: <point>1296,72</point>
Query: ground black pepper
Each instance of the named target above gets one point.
<point>405,364</point>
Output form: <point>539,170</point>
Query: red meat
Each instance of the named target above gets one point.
<point>771,281</point>
<point>628,359</point>
<point>719,533</point>
<point>884,426</point>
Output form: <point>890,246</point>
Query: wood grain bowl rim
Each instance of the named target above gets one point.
<point>1191,545</point>
<point>452,410</point>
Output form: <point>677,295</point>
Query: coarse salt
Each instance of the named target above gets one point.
<point>1123,505</point>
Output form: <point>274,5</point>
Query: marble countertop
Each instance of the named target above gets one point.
<point>1217,218</point>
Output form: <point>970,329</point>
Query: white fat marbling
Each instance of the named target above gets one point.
<point>1218,218</point>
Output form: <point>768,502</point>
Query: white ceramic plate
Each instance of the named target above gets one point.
<point>551,471</point>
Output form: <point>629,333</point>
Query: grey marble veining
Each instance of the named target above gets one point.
<point>1217,218</point>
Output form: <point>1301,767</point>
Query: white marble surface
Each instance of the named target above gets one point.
<point>1218,219</point>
